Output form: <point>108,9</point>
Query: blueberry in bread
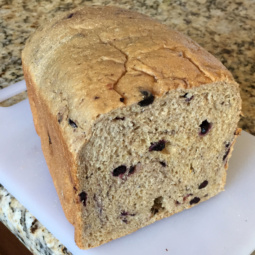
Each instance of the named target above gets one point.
<point>137,121</point>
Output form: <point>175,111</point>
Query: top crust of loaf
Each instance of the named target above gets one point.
<point>96,59</point>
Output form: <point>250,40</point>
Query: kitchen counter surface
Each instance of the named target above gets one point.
<point>224,28</point>
<point>27,228</point>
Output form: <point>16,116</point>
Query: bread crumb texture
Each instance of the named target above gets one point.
<point>137,121</point>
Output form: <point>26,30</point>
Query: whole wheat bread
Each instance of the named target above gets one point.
<point>137,121</point>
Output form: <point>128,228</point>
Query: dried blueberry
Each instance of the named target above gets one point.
<point>125,221</point>
<point>226,154</point>
<point>158,146</point>
<point>122,99</point>
<point>119,118</point>
<point>135,168</point>
<point>148,98</point>
<point>119,170</point>
<point>123,213</point>
<point>72,123</point>
<point>83,197</point>
<point>195,200</point>
<point>162,163</point>
<point>205,127</point>
<point>188,97</point>
<point>131,170</point>
<point>96,97</point>
<point>203,184</point>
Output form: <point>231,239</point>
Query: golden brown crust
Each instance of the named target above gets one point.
<point>60,161</point>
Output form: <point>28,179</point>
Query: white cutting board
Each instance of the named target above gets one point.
<point>223,225</point>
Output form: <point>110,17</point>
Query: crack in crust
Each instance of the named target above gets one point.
<point>125,71</point>
<point>184,80</point>
<point>196,65</point>
<point>115,83</point>
<point>152,69</point>
<point>180,53</point>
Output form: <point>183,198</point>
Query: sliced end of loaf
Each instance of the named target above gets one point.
<point>144,163</point>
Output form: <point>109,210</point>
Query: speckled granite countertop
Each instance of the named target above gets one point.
<point>226,28</point>
<point>27,228</point>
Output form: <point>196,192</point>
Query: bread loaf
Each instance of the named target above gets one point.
<point>137,121</point>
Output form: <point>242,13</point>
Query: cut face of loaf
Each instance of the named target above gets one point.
<point>146,163</point>
<point>137,122</point>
